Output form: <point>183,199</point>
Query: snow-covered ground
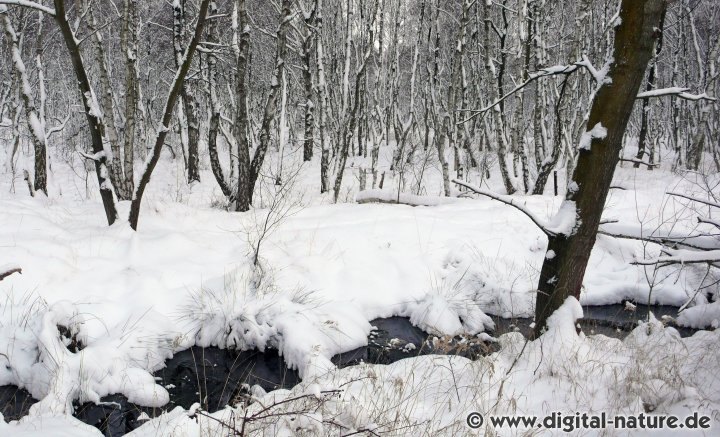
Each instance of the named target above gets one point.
<point>324,270</point>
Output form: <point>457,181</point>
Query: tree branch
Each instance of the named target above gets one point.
<point>695,199</point>
<point>699,242</point>
<point>675,91</point>
<point>8,270</point>
<point>28,4</point>
<point>683,257</point>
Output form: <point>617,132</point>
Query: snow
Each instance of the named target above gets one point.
<point>565,220</point>
<point>598,131</point>
<point>390,196</point>
<point>662,92</point>
<point>701,316</point>
<point>57,426</point>
<point>432,395</point>
<point>186,278</point>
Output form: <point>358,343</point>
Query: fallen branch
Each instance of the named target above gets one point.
<point>392,197</point>
<point>638,161</point>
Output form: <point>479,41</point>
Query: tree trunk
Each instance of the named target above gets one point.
<point>94,122</point>
<point>324,103</point>
<point>174,93</point>
<point>642,137</point>
<point>307,49</point>
<point>189,102</point>
<point>214,128</point>
<point>270,111</point>
<point>108,108</point>
<point>132,90</point>
<point>240,132</point>
<point>37,131</point>
<point>569,249</point>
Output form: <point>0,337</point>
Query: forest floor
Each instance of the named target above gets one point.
<point>130,300</point>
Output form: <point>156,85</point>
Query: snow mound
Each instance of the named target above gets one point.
<point>49,351</point>
<point>247,312</point>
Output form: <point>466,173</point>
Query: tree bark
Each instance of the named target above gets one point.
<point>94,122</point>
<point>132,90</point>
<point>37,131</point>
<point>240,132</point>
<point>569,249</point>
<point>270,111</point>
<point>175,91</point>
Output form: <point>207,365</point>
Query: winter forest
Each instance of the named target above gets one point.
<point>359,217</point>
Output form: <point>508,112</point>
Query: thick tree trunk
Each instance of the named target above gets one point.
<point>569,249</point>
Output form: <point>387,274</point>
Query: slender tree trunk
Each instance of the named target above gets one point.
<point>324,103</point>
<point>37,131</point>
<point>108,107</point>
<point>168,110</point>
<point>642,137</point>
<point>307,49</point>
<point>245,183</point>
<point>94,122</point>
<point>189,101</point>
<point>214,128</point>
<point>270,111</point>
<point>132,90</point>
<point>41,152</point>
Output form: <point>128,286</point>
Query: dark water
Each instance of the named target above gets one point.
<point>216,377</point>
<point>610,320</point>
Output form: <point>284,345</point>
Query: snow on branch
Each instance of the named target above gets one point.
<point>550,71</point>
<point>508,200</point>
<point>58,128</point>
<point>683,256</point>
<point>715,223</point>
<point>673,239</point>
<point>702,248</point>
<point>600,77</point>
<point>26,3</point>
<point>675,91</point>
<point>92,156</point>
<point>695,199</point>
<point>8,269</point>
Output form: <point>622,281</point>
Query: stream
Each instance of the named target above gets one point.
<point>217,377</point>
